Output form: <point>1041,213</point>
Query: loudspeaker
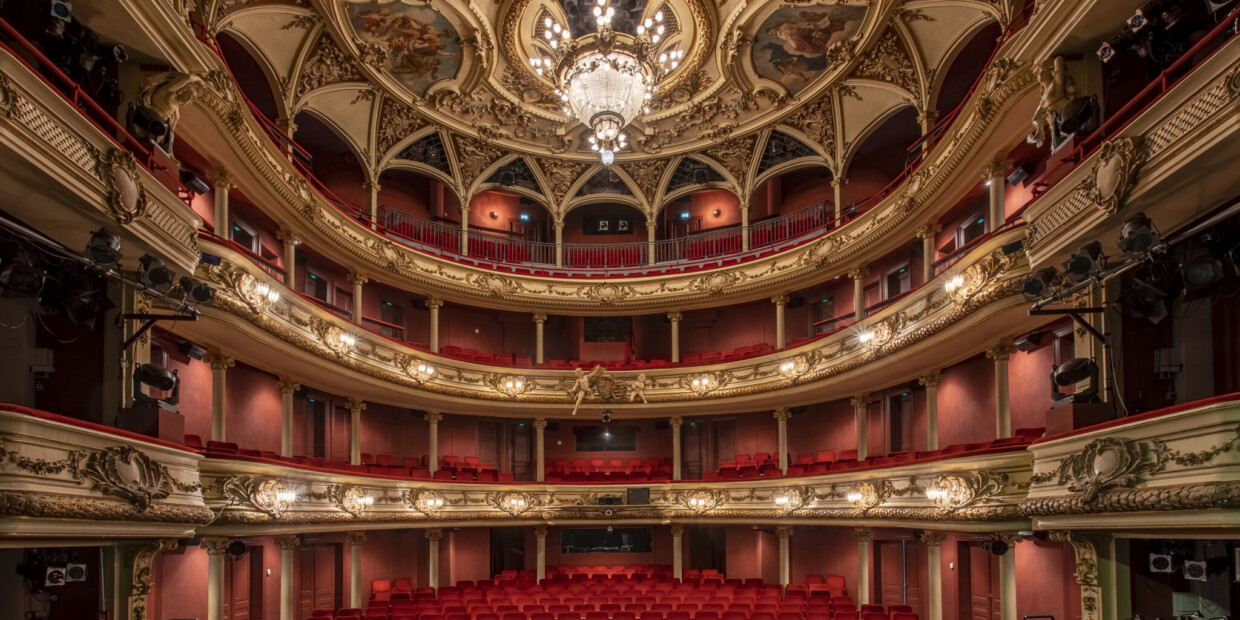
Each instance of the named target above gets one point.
<point>1195,570</point>
<point>796,302</point>
<point>1013,247</point>
<point>1022,172</point>
<point>1160,563</point>
<point>75,572</point>
<point>639,496</point>
<point>55,576</point>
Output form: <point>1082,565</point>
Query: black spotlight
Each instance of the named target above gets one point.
<point>1145,301</point>
<point>1137,236</point>
<point>236,549</point>
<point>146,124</point>
<point>1039,284</point>
<point>21,277</point>
<point>1201,272</point>
<point>159,378</point>
<point>154,273</point>
<point>104,248</point>
<point>1085,262</point>
<point>607,415</point>
<point>196,291</point>
<point>194,182</point>
<point>995,547</point>
<point>1072,372</point>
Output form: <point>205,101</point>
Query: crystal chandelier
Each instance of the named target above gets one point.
<point>606,79</point>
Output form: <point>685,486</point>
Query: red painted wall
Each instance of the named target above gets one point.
<point>392,554</point>
<point>561,443</point>
<point>1029,382</point>
<point>469,551</point>
<point>823,551</point>
<point>252,409</point>
<point>180,584</point>
<point>727,328</point>
<point>966,400</point>
<point>394,430</point>
<point>752,554</point>
<point>195,405</point>
<point>823,426</point>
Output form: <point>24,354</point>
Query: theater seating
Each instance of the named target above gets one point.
<point>608,470</point>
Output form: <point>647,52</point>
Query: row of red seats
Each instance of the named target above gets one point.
<point>429,235</point>
<point>610,465</point>
<point>719,246</point>
<point>604,257</point>
<point>492,359</point>
<point>502,251</point>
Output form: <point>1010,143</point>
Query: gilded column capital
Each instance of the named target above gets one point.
<point>1000,352</point>
<point>357,278</point>
<point>1011,538</point>
<point>434,534</point>
<point>782,414</point>
<point>927,231</point>
<point>677,529</point>
<point>931,380</point>
<point>863,534</point>
<point>540,424</point>
<point>932,538</point>
<point>780,300</point>
<point>288,543</point>
<point>221,178</point>
<point>996,169</point>
<point>674,316</point>
<point>434,303</point>
<point>559,224</point>
<point>287,386</point>
<point>433,417</point>
<point>675,422</point>
<point>784,532</point>
<point>860,400</point>
<point>540,317</point>
<point>928,118</point>
<point>355,405</point>
<point>219,361</point>
<point>857,273</point>
<point>288,237</point>
<point>839,182</point>
<point>357,539</point>
<point>372,186</point>
<point>540,530</point>
<point>215,545</point>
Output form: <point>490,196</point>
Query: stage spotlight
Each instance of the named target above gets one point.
<point>995,547</point>
<point>1072,372</point>
<point>20,276</point>
<point>1137,236</point>
<point>104,248</point>
<point>196,291</point>
<point>194,182</point>
<point>1039,284</point>
<point>1201,272</point>
<point>159,378</point>
<point>1146,301</point>
<point>607,415</point>
<point>154,273</point>
<point>1085,262</point>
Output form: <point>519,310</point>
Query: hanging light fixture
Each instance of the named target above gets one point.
<point>606,79</point>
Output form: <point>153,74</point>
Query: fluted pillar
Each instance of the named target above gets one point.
<point>1003,405</point>
<point>864,536</point>
<point>838,185</point>
<point>1007,576</point>
<point>744,206</point>
<point>540,551</point>
<point>674,317</point>
<point>357,596</point>
<point>540,450</point>
<point>858,275</point>
<point>287,388</point>
<point>358,281</point>
<point>861,403</point>
<point>433,418</point>
<point>288,575</point>
<point>995,176</point>
<point>678,532</point>
<point>434,305</point>
<point>372,190</point>
<point>784,532</point>
<point>222,181</point>
<point>675,422</point>
<point>934,573</point>
<point>290,240</point>
<point>433,536</point>
<point>781,303</point>
<point>539,319</point>
<point>927,235</point>
<point>355,406</point>
<point>932,381</point>
<point>651,231</point>
<point>220,363</point>
<point>216,592</point>
<point>559,244</point>
<point>465,229</point>
<point>781,418</point>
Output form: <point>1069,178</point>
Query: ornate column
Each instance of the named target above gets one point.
<point>434,305</point>
<point>1087,566</point>
<point>674,317</point>
<point>433,418</point>
<point>784,532</point>
<point>216,548</point>
<point>358,281</point>
<point>372,188</point>
<point>287,388</point>
<point>540,552</point>
<point>291,240</point>
<point>934,573</point>
<point>932,381</point>
<point>651,228</point>
<point>220,363</point>
<point>288,575</point>
<point>540,450</point>
<point>465,229</point>
<point>675,422</point>
<point>744,206</point>
<point>927,233</point>
<point>1007,576</point>
<point>539,319</point>
<point>142,579</point>
<point>356,406</point>
<point>781,302</point>
<point>864,536</point>
<point>838,184</point>
<point>861,403</point>
<point>858,275</point>
<point>357,596</point>
<point>222,181</point>
<point>433,537</point>
<point>677,557</point>
<point>559,244</point>
<point>781,416</point>
<point>927,120</point>
<point>1003,406</point>
<point>995,176</point>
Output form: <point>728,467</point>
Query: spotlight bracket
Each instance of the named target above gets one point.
<point>1075,314</point>
<point>149,322</point>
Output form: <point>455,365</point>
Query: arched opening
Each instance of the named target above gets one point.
<point>969,63</point>
<point>881,158</point>
<point>791,204</point>
<point>604,235</point>
<point>251,78</point>
<point>418,207</point>
<point>333,163</point>
<point>510,227</point>
<point>704,224</point>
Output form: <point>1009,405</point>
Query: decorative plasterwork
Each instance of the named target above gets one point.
<point>1086,572</point>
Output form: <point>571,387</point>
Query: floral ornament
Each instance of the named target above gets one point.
<point>1107,463</point>
<point>426,501</point>
<point>511,386</point>
<point>867,495</point>
<point>702,501</point>
<point>353,500</point>
<point>512,502</point>
<point>952,492</point>
<point>268,496</point>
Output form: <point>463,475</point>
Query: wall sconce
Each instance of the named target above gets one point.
<point>339,341</point>
<point>426,502</point>
<point>354,500</point>
<point>702,384</point>
<point>256,294</point>
<point>794,367</point>
<point>270,497</point>
<point>865,337</point>
<point>867,495</point>
<point>421,372</point>
<point>513,503</point>
<point>494,215</point>
<point>700,501</point>
<point>788,500</point>
<point>511,386</point>
<point>717,213</point>
<point>854,497</point>
<point>954,284</point>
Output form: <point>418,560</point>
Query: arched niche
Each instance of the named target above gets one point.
<point>702,211</point>
<point>333,160</point>
<point>795,189</point>
<point>254,77</point>
<point>511,215</point>
<point>968,62</point>
<point>406,194</point>
<point>882,156</point>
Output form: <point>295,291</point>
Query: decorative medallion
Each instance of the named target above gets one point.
<point>1113,174</point>
<point>126,195</point>
<point>128,473</point>
<point>952,492</point>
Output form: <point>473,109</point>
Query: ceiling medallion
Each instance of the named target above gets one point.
<point>606,79</point>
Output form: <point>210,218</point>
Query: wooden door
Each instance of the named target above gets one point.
<point>238,588</point>
<point>323,576</point>
<point>305,580</point>
<point>983,584</point>
<point>338,441</point>
<point>255,557</point>
<point>725,442</point>
<point>522,452</point>
<point>892,570</point>
<point>876,443</point>
<point>489,447</point>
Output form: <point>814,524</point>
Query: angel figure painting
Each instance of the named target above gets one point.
<point>422,47</point>
<point>791,45</point>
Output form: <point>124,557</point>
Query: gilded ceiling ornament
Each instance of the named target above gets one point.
<point>302,22</point>
<point>530,90</point>
<point>396,122</point>
<point>1113,174</point>
<point>473,156</point>
<point>734,155</point>
<point>646,174</point>
<point>952,492</point>
<point>560,175</point>
<point>691,85</point>
<point>326,65</point>
<point>266,495</point>
<point>128,473</point>
<point>889,61</point>
<point>1105,464</point>
<point>127,198</point>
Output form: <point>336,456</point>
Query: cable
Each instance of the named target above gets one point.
<point>54,335</point>
<point>25,318</point>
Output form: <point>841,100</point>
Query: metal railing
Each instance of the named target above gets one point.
<point>271,268</point>
<point>499,249</point>
<point>773,231</point>
<point>605,255</point>
<point>421,232</point>
<point>698,247</point>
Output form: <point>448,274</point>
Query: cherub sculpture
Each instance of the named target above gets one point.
<point>1058,90</point>
<point>583,385</point>
<point>637,389</point>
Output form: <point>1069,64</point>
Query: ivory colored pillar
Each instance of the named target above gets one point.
<point>358,281</point>
<point>995,175</point>
<point>650,233</point>
<point>220,364</point>
<point>539,319</point>
<point>433,418</point>
<point>540,453</point>
<point>465,230</point>
<point>287,388</point>
<point>781,303</point>
<point>222,181</point>
<point>744,226</point>
<point>858,275</point>
<point>674,317</point>
<point>434,305</point>
<point>934,573</point>
<point>540,552</point>
<point>288,576</point>
<point>1007,577</point>
<point>860,405</point>
<point>357,596</point>
<point>677,556</point>
<point>675,422</point>
<point>781,417</point>
<point>355,430</point>
<point>838,186</point>
<point>784,532</point>
<point>927,120</point>
<point>433,537</point>
<point>372,187</point>
<point>927,233</point>
<point>559,244</point>
<point>1003,405</point>
<point>864,537</point>
<point>290,240</point>
<point>216,548</point>
<point>932,381</point>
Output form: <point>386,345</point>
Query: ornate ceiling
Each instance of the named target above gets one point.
<point>445,88</point>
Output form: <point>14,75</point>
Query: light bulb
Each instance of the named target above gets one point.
<point>654,39</point>
<point>547,22</point>
<point>547,33</point>
<point>659,29</point>
<point>648,23</point>
<point>554,43</point>
<point>658,17</point>
<point>598,11</point>
<point>611,11</point>
<point>662,57</point>
<point>556,28</point>
<point>608,157</point>
<point>641,29</point>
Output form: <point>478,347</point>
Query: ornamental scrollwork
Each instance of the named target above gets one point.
<point>868,495</point>
<point>952,492</point>
<point>266,495</point>
<point>1107,463</point>
<point>514,503</point>
<point>42,467</point>
<point>128,473</point>
<point>1114,173</point>
<point>352,499</point>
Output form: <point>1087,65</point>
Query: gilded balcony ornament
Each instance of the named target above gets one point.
<point>417,369</point>
<point>1114,173</point>
<point>952,492</point>
<point>867,495</point>
<point>796,366</point>
<point>788,500</point>
<point>514,503</point>
<point>353,500</point>
<point>1107,463</point>
<point>511,386</point>
<point>256,294</point>
<point>336,340</point>
<point>266,495</point>
<point>704,383</point>
<point>127,199</point>
<point>129,474</point>
<point>702,501</point>
<point>425,501</point>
